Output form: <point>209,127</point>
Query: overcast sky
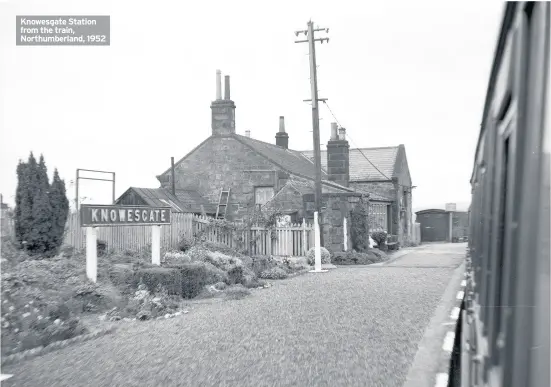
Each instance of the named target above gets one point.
<point>396,72</point>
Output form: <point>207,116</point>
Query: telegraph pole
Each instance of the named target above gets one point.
<point>315,111</point>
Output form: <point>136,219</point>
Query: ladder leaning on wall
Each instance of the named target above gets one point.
<point>222,208</point>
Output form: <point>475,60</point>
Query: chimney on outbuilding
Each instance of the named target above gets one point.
<point>338,159</point>
<point>282,138</point>
<point>223,110</point>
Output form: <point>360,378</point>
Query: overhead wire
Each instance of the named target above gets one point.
<point>362,153</point>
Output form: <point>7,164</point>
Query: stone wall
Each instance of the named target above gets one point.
<point>398,190</point>
<point>224,162</point>
<point>335,207</point>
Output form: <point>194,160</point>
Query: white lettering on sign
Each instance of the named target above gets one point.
<point>111,216</point>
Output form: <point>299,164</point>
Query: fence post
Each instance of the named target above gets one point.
<point>91,253</point>
<point>269,247</point>
<point>304,241</point>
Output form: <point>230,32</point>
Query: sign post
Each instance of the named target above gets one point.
<point>91,253</point>
<point>156,245</point>
<point>94,216</point>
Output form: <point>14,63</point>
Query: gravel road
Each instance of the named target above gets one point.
<point>352,326</point>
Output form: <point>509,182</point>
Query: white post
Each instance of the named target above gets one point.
<point>317,246</point>
<point>91,254</point>
<point>156,245</point>
<point>345,233</point>
<point>304,240</point>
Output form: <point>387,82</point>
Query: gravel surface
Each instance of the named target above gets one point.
<point>353,326</point>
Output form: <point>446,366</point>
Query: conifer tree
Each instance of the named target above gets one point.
<point>23,202</point>
<point>60,209</point>
<point>41,232</point>
<point>41,209</point>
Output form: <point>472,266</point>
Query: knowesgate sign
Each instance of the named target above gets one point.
<point>109,216</point>
<point>93,216</point>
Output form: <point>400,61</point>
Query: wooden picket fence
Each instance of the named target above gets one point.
<point>291,240</point>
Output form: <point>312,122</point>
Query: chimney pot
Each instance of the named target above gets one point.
<point>218,85</point>
<point>342,134</point>
<point>282,124</point>
<point>227,88</point>
<point>334,135</point>
<point>282,138</point>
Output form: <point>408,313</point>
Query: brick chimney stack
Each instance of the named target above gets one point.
<point>338,160</point>
<point>247,133</point>
<point>223,110</point>
<point>282,138</point>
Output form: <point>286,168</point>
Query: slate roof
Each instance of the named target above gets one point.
<point>308,186</point>
<point>184,201</point>
<point>361,169</point>
<point>292,161</point>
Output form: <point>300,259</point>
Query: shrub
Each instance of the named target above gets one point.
<point>214,274</point>
<point>379,237</point>
<point>102,247</point>
<point>194,277</point>
<point>198,253</point>
<point>171,257</point>
<point>185,243</point>
<point>274,273</point>
<point>359,226</point>
<point>311,256</point>
<point>237,292</point>
<point>145,304</point>
<point>236,275</point>
<point>355,258</point>
<point>169,278</point>
<point>222,248</point>
<point>260,263</point>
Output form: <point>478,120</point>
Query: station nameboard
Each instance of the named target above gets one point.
<point>119,215</point>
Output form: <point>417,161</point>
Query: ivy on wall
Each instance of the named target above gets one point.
<point>359,226</point>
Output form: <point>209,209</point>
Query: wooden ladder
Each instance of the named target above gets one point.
<point>223,204</point>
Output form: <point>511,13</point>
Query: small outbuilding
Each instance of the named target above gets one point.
<point>443,226</point>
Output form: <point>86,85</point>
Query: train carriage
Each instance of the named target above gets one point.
<point>505,324</point>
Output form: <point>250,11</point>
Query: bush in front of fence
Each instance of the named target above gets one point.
<point>275,273</point>
<point>193,278</point>
<point>325,256</point>
<point>357,258</point>
<point>153,277</point>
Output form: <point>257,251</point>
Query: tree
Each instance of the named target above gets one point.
<point>23,201</point>
<point>41,210</point>
<point>60,208</point>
